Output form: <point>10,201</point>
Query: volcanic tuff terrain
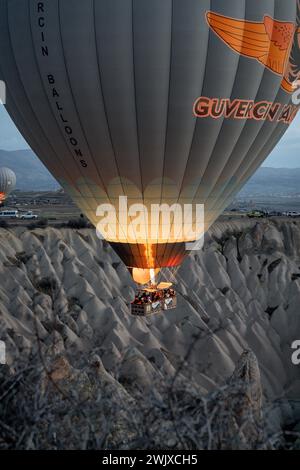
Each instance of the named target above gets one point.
<point>241,292</point>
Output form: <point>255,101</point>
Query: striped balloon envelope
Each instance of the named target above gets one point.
<point>151,105</point>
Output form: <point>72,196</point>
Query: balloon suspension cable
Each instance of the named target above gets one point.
<point>170,274</point>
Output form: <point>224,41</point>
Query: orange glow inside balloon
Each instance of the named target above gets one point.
<point>143,276</point>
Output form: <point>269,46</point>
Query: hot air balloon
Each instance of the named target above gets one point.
<point>161,103</point>
<point>7,183</point>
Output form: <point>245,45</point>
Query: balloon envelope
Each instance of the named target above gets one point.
<point>160,102</point>
<point>7,182</point>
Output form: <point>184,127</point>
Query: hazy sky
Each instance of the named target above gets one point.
<point>286,154</point>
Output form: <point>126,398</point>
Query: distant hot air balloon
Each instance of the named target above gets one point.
<point>7,183</point>
<point>161,102</point>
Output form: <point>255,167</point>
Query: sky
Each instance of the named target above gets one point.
<point>285,155</point>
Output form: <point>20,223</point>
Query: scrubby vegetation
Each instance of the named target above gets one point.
<point>42,223</point>
<point>79,223</point>
<point>48,403</point>
<point>3,224</point>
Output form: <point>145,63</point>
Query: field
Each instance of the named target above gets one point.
<point>56,207</point>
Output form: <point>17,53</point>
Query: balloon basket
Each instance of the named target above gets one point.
<point>154,299</point>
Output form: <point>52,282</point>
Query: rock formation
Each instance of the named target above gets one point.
<point>67,291</point>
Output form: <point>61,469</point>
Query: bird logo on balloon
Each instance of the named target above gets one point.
<point>275,44</point>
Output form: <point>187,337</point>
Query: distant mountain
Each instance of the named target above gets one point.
<point>33,176</point>
<point>273,181</point>
<point>31,173</point>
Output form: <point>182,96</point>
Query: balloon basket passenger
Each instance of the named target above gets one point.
<point>154,299</point>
